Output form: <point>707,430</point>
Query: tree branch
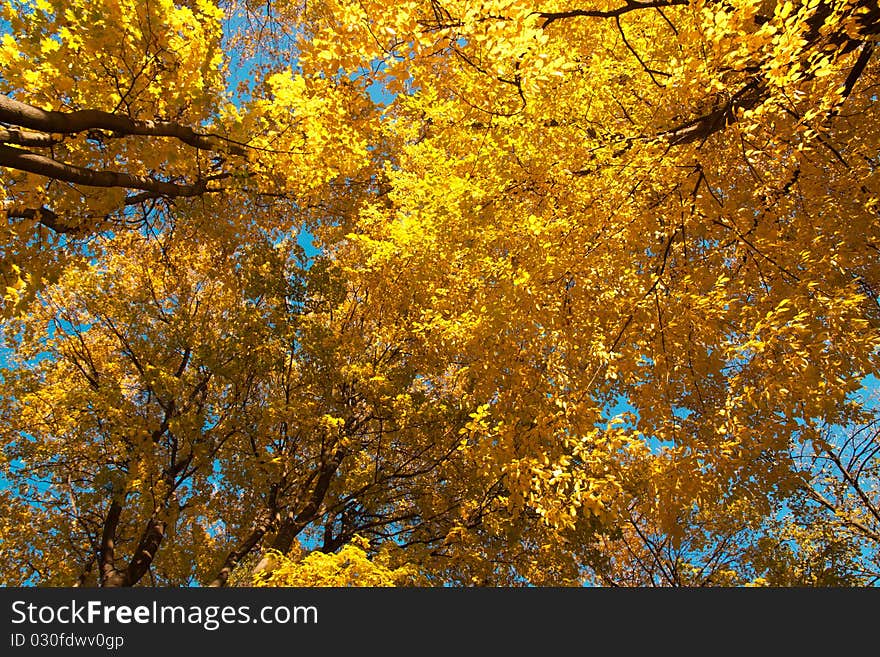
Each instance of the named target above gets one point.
<point>631,5</point>
<point>151,539</point>
<point>15,112</point>
<point>702,127</point>
<point>45,216</point>
<point>857,70</point>
<point>233,558</point>
<point>293,525</point>
<point>17,158</point>
<point>110,575</point>
<point>27,138</point>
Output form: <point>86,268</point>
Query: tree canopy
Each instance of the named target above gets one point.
<point>440,292</point>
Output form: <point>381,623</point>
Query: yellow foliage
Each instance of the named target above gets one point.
<point>589,280</point>
<point>351,566</point>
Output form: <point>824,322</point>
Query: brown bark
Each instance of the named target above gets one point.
<point>233,558</point>
<point>146,551</point>
<point>262,524</point>
<point>630,5</point>
<point>148,546</point>
<point>45,216</point>
<point>702,127</point>
<point>295,522</point>
<point>15,112</point>
<point>109,574</point>
<point>26,138</point>
<point>17,158</point>
<point>754,92</point>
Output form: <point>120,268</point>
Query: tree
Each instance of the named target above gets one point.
<point>590,279</point>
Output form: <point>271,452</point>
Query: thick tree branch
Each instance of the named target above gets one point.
<point>866,12</point>
<point>110,575</point>
<point>261,528</point>
<point>27,138</point>
<point>148,546</point>
<point>631,5</point>
<point>294,524</point>
<point>45,216</point>
<point>17,158</point>
<point>866,15</point>
<point>233,558</point>
<point>702,127</point>
<point>857,70</point>
<point>15,112</point>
